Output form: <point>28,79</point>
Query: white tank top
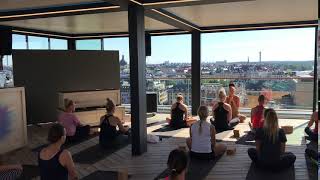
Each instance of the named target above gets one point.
<point>201,143</point>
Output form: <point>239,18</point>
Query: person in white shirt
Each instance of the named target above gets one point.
<point>202,142</point>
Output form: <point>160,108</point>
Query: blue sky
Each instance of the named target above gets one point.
<point>276,45</point>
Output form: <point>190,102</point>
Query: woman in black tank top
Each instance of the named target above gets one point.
<point>222,114</point>
<point>54,162</point>
<point>178,115</point>
<point>108,130</point>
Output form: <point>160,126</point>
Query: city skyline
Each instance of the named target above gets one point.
<point>275,45</point>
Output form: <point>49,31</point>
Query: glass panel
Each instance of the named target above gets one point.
<point>118,44</point>
<point>58,44</point>
<point>6,75</point>
<point>168,69</point>
<point>91,44</point>
<point>38,42</point>
<point>19,41</point>
<point>276,63</point>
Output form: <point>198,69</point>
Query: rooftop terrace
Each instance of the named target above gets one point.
<point>152,163</point>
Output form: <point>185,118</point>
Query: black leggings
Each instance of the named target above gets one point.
<point>286,160</point>
<point>81,133</point>
<point>312,136</point>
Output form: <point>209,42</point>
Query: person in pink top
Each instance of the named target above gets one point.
<point>74,129</point>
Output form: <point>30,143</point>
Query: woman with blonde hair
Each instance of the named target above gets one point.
<point>74,129</point>
<point>109,124</point>
<point>269,153</point>
<point>222,113</point>
<point>202,141</point>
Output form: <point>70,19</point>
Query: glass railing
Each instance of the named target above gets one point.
<point>288,95</point>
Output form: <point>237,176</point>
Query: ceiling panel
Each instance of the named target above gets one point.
<point>6,5</point>
<point>248,12</point>
<point>85,24</point>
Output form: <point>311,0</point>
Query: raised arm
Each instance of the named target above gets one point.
<point>312,119</point>
<point>213,135</point>
<point>229,116</point>
<point>121,127</point>
<point>185,112</point>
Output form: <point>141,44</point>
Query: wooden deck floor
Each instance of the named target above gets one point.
<point>150,164</point>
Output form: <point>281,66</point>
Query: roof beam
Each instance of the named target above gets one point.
<point>159,15</point>
<point>171,19</point>
<point>70,10</point>
<point>155,4</point>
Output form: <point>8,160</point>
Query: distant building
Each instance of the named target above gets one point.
<point>221,62</point>
<point>287,100</point>
<point>123,62</point>
<point>303,96</point>
<point>184,89</point>
<point>209,92</point>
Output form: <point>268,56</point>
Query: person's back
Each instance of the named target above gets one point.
<point>270,151</point>
<point>257,116</point>
<point>201,141</point>
<point>177,116</point>
<point>70,122</point>
<point>221,117</point>
<point>51,168</point>
<point>54,162</point>
<point>107,130</point>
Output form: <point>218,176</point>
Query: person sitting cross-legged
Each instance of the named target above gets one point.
<point>234,101</point>
<point>257,115</point>
<point>75,130</point>
<point>313,134</point>
<point>109,124</point>
<point>179,115</point>
<point>202,141</point>
<point>269,153</point>
<point>222,113</point>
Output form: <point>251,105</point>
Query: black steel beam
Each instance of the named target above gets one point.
<point>260,26</point>
<point>137,78</point>
<point>196,71</point>
<point>315,72</point>
<point>71,44</point>
<point>171,19</point>
<point>58,11</point>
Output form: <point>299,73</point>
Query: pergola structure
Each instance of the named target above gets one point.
<point>88,19</point>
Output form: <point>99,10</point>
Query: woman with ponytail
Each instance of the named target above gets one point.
<point>222,113</point>
<point>177,164</point>
<point>109,124</point>
<point>270,152</point>
<point>202,141</point>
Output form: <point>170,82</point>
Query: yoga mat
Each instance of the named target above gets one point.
<point>102,175</point>
<point>255,173</point>
<point>312,168</point>
<point>29,172</point>
<point>166,128</point>
<point>197,169</point>
<point>95,153</point>
<point>247,139</point>
<point>156,123</point>
<point>66,144</point>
